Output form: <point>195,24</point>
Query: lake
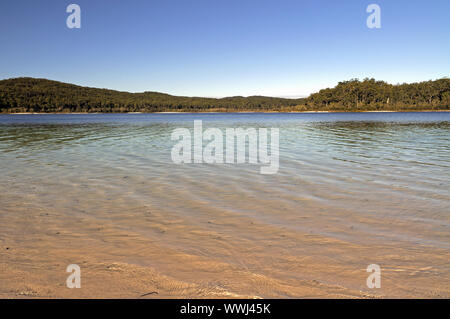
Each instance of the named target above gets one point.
<point>102,191</point>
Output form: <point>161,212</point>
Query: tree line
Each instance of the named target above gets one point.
<point>369,94</point>
<point>42,95</point>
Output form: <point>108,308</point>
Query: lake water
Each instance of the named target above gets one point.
<point>352,189</point>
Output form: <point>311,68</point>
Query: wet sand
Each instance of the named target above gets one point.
<point>229,257</point>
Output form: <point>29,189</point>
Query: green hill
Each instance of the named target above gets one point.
<point>41,95</point>
<point>355,95</point>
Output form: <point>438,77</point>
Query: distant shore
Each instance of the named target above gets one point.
<point>31,95</point>
<point>215,112</point>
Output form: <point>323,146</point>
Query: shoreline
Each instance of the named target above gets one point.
<point>214,112</point>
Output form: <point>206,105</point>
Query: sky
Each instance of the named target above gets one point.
<point>218,48</point>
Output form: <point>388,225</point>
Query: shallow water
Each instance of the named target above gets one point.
<point>352,189</point>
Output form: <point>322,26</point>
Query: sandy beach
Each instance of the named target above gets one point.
<point>230,257</point>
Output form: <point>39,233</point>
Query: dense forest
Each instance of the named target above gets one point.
<point>41,95</point>
<point>355,95</point>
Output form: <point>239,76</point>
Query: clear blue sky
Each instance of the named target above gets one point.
<point>224,47</point>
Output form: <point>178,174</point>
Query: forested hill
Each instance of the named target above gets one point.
<point>41,95</point>
<point>379,95</point>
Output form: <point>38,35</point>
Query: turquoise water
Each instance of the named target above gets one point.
<point>394,165</point>
<point>351,190</point>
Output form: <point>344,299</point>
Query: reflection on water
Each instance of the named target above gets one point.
<point>381,178</point>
